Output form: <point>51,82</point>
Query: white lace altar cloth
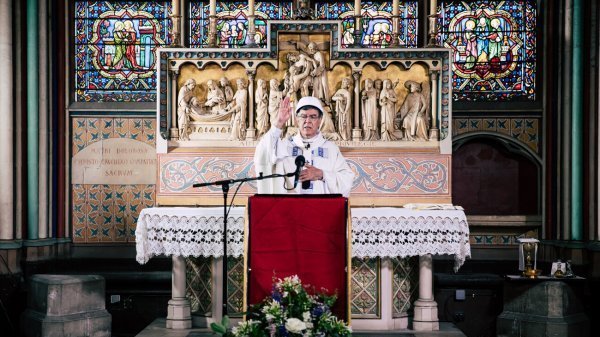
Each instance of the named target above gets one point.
<point>376,232</point>
<point>186,231</point>
<point>401,232</point>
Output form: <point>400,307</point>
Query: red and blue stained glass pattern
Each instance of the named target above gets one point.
<point>494,44</point>
<point>376,22</point>
<point>232,22</point>
<point>115,49</point>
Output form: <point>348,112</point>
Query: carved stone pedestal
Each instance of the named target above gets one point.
<point>174,133</point>
<point>250,134</point>
<point>426,313</point>
<point>66,305</point>
<point>542,307</point>
<point>179,315</point>
<point>434,134</point>
<point>426,316</point>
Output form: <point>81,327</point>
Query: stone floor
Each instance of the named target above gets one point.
<point>157,329</point>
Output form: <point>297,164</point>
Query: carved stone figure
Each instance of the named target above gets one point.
<point>215,99</point>
<point>275,96</point>
<point>370,111</point>
<point>226,88</point>
<point>413,113</point>
<point>306,64</point>
<point>184,105</point>
<point>388,100</point>
<point>343,102</point>
<point>328,126</point>
<point>262,100</point>
<point>239,109</point>
<point>378,84</point>
<point>295,81</point>
<point>319,74</point>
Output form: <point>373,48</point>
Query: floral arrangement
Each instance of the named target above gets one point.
<point>289,311</point>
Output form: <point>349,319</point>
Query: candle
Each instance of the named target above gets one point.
<point>395,8</point>
<point>357,7</point>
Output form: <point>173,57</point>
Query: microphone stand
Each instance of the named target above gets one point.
<point>225,188</point>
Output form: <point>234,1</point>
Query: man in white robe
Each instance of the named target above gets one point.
<point>325,171</point>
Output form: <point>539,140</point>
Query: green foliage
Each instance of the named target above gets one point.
<point>290,311</point>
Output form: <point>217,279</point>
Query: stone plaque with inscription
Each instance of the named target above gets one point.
<point>115,161</point>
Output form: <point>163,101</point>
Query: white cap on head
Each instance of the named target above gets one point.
<point>309,101</point>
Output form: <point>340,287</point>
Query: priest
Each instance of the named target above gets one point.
<point>319,165</point>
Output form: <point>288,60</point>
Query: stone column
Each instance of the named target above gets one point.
<point>432,24</point>
<point>357,24</point>
<point>426,314</point>
<point>212,24</point>
<point>251,25</point>
<point>32,120</point>
<point>43,155</point>
<point>6,127</point>
<point>176,19</point>
<point>395,24</point>
<point>173,131</point>
<point>564,120</point>
<point>250,131</point>
<point>434,132</point>
<point>179,312</point>
<point>577,128</point>
<point>19,116</point>
<point>356,131</point>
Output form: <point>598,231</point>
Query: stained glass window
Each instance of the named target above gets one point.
<point>115,49</point>
<point>494,44</point>
<point>376,22</point>
<point>232,22</point>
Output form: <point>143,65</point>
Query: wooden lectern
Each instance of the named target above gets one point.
<point>304,235</point>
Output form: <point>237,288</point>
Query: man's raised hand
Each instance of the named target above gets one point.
<point>284,112</point>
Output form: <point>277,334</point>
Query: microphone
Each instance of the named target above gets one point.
<point>300,161</point>
<point>306,184</point>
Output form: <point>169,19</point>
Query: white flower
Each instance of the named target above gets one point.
<point>306,316</point>
<point>295,325</point>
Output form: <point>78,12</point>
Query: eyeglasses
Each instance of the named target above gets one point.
<point>309,117</point>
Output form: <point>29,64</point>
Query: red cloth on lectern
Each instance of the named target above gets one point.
<point>298,235</point>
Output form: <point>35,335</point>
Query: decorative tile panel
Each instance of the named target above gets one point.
<point>388,177</point>
<point>88,130</point>
<point>235,286</point>
<point>365,288</point>
<point>405,285</point>
<point>108,212</point>
<point>499,239</point>
<point>525,130</point>
<point>199,284</point>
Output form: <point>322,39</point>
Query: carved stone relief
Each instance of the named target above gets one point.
<point>380,101</point>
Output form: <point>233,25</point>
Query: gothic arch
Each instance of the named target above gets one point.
<point>493,174</point>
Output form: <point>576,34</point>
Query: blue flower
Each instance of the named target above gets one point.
<point>282,331</point>
<point>277,296</point>
<point>318,311</point>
